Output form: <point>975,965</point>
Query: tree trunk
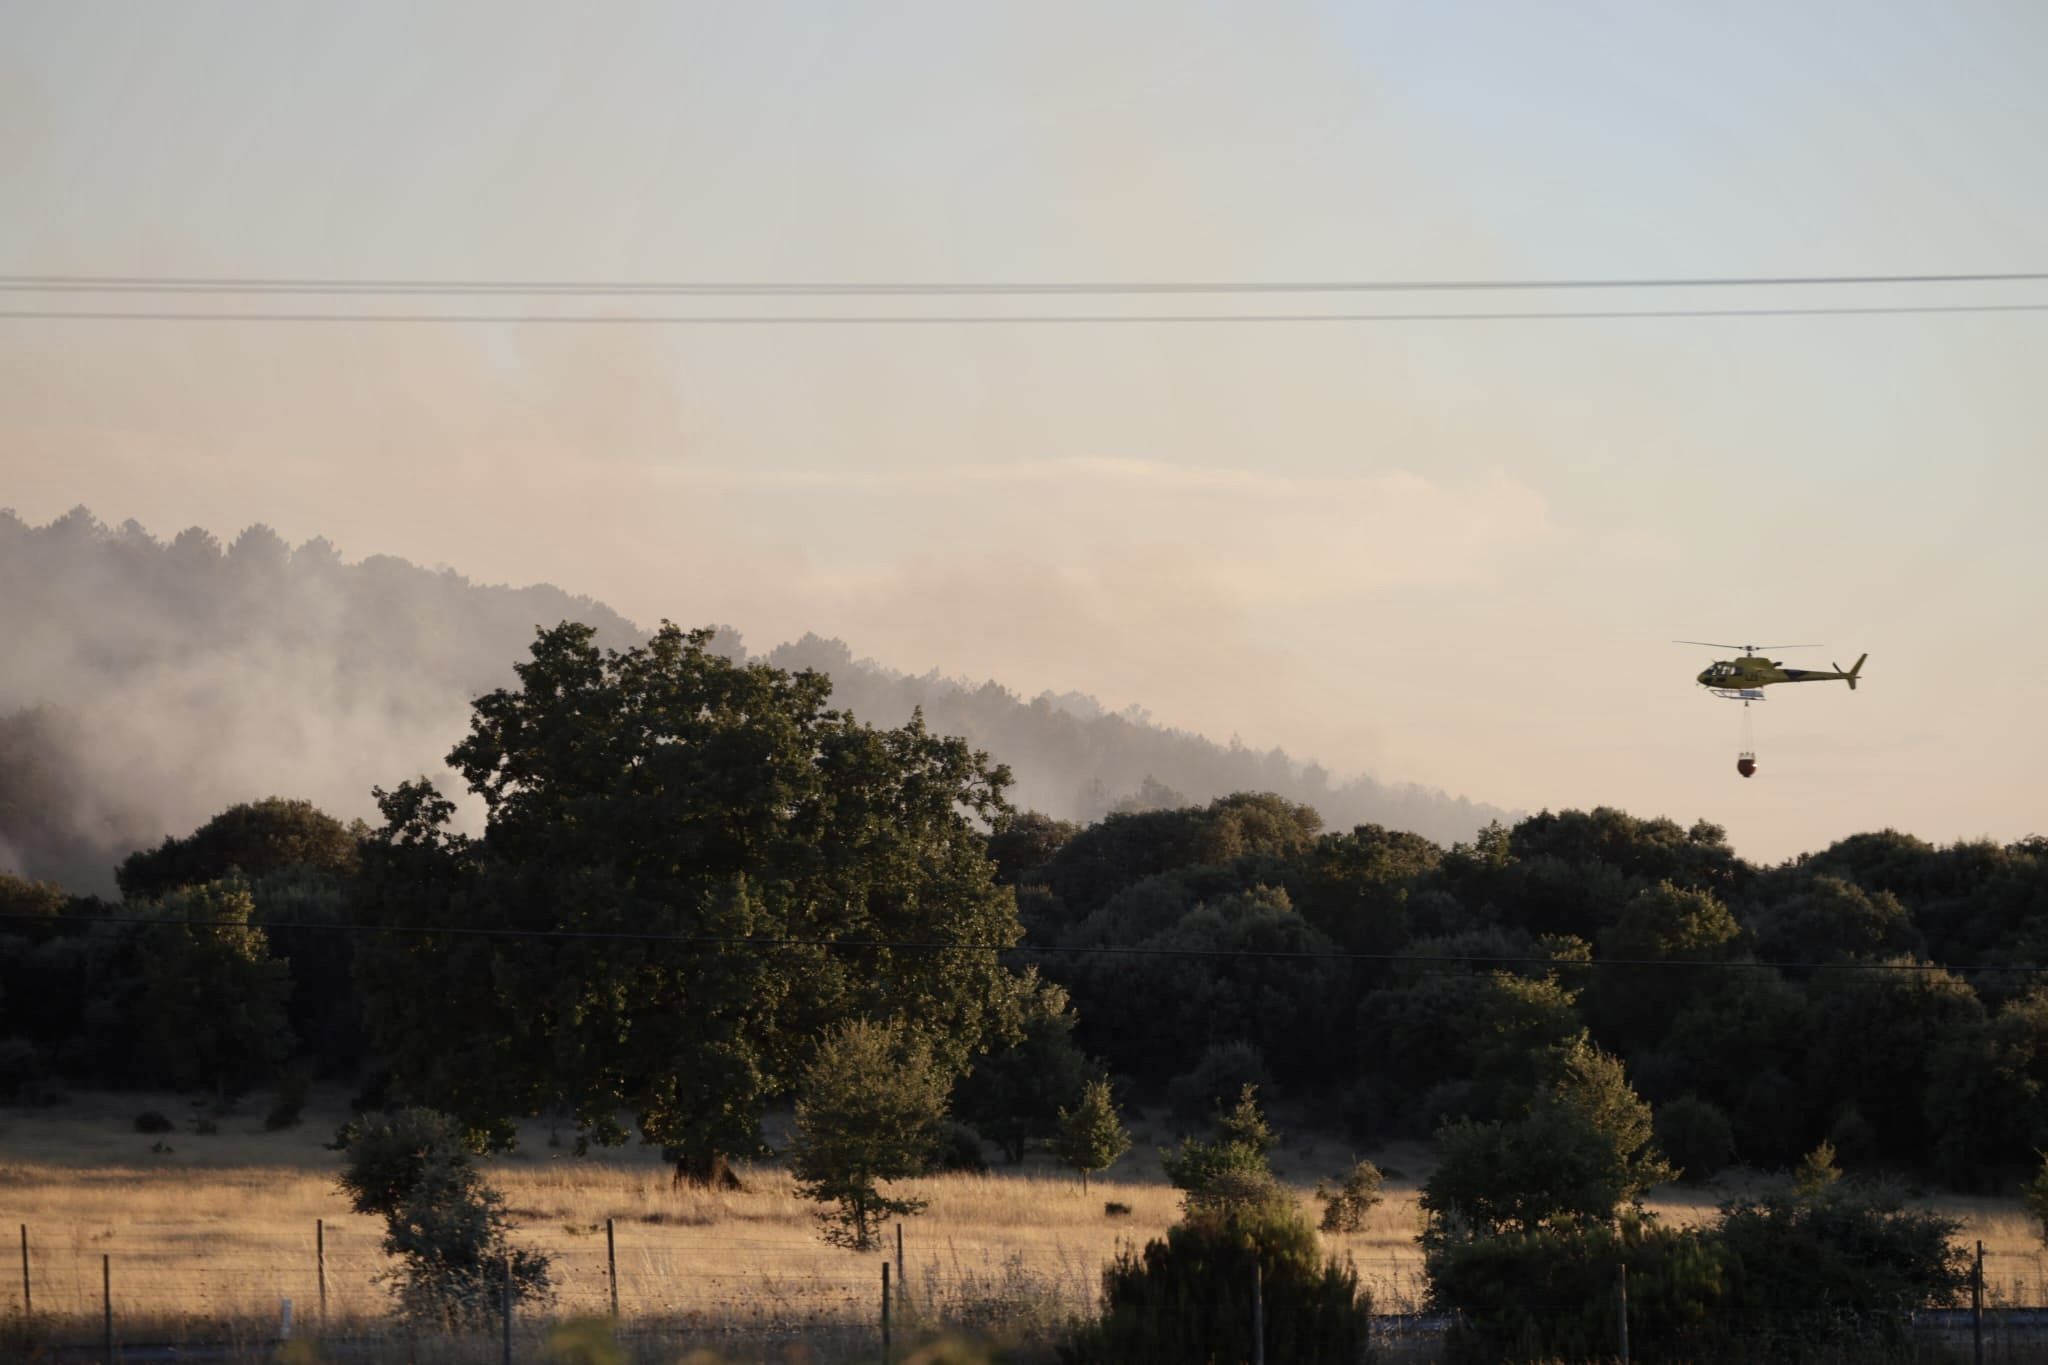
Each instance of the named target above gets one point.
<point>706,1171</point>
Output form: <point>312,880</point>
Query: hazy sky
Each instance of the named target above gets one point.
<point>1450,553</point>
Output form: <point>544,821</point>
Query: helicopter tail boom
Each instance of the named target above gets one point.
<point>1854,669</point>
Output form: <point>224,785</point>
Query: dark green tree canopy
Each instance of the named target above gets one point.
<point>666,790</point>
<point>255,839</point>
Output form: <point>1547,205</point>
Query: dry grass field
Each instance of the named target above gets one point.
<point>207,1238</point>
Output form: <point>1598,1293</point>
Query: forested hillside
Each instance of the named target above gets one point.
<point>700,894</point>
<point>147,684</point>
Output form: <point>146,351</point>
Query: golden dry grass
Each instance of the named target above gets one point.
<point>214,1233</point>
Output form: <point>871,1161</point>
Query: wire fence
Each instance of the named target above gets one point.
<point>748,1296</point>
<point>745,1293</point>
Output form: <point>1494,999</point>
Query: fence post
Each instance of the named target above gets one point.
<point>1621,1296</point>
<point>107,1303</point>
<point>902,1280</point>
<point>886,1353</point>
<point>508,1308</point>
<point>1258,1314</point>
<point>28,1308</point>
<point>320,1263</point>
<point>1977,1306</point>
<point>611,1266</point>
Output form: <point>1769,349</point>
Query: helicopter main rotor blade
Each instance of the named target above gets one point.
<point>1748,649</point>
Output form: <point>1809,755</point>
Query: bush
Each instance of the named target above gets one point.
<point>1852,1137</point>
<point>445,1226</point>
<point>1697,1136</point>
<point>1223,1072</point>
<point>1187,1296</point>
<point>1549,1293</point>
<point>958,1149</point>
<point>1838,1271</point>
<point>1115,1210</point>
<point>1816,1172</point>
<point>289,1104</point>
<point>2034,1194</point>
<point>1231,1169</point>
<point>1830,1277</point>
<point>1345,1208</point>
<point>151,1121</point>
<point>22,1065</point>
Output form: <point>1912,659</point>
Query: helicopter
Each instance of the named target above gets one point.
<point>1745,678</point>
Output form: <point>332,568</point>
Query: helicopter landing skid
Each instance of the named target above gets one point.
<point>1739,693</point>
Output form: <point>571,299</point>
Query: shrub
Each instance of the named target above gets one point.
<point>958,1148</point>
<point>1837,1273</point>
<point>1230,1169</point>
<point>1221,1075</point>
<point>151,1121</point>
<point>289,1104</point>
<point>2034,1194</point>
<point>445,1226</point>
<point>1115,1210</point>
<point>1345,1208</point>
<point>1549,1293</point>
<point>1829,1277</point>
<point>1816,1171</point>
<point>1853,1139</point>
<point>21,1070</point>
<point>1187,1296</point>
<point>1697,1136</point>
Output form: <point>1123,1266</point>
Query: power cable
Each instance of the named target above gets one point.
<point>998,319</point>
<point>767,943</point>
<point>169,284</point>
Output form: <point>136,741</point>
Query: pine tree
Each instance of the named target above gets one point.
<point>1091,1137</point>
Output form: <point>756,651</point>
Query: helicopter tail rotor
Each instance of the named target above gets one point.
<point>1850,676</point>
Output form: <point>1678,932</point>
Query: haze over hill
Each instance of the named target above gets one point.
<point>149,683</point>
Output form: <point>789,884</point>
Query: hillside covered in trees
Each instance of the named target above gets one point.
<point>148,684</point>
<point>700,893</point>
<point>1882,995</point>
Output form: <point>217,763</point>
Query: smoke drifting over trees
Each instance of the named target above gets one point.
<point>148,684</point>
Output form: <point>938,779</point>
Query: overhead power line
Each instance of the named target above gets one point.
<point>199,284</point>
<point>210,299</point>
<point>987,319</point>
<point>759,943</point>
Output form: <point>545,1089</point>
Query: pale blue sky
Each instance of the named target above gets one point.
<point>1449,553</point>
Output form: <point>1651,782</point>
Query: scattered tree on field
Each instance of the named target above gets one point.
<point>1230,1170</point>
<point>867,1112</point>
<point>1091,1137</point>
<point>1346,1207</point>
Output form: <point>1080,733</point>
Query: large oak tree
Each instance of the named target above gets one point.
<point>742,866</point>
